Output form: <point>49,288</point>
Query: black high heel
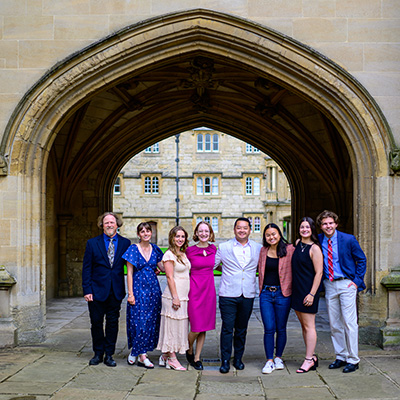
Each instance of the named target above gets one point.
<point>315,358</point>
<point>312,368</point>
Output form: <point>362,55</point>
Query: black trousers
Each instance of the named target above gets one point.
<point>235,315</point>
<point>104,340</point>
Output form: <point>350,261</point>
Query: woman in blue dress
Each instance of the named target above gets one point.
<point>144,297</point>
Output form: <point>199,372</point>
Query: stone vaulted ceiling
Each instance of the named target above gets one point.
<point>183,93</point>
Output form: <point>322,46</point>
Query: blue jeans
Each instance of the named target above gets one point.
<point>274,308</point>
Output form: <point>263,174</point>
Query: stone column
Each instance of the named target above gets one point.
<point>391,332</point>
<point>7,327</point>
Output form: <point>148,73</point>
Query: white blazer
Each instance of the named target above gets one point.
<point>237,280</point>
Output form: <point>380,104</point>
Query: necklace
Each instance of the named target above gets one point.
<point>303,247</point>
<point>145,253</point>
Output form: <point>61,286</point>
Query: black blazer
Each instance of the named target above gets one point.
<point>97,275</point>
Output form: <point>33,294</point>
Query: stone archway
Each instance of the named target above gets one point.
<point>196,67</point>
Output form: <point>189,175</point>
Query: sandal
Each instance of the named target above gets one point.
<point>131,359</point>
<point>315,358</point>
<point>145,363</point>
<point>162,360</point>
<point>173,363</point>
<point>312,367</point>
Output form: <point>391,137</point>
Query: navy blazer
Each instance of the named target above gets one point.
<point>97,275</point>
<point>352,259</point>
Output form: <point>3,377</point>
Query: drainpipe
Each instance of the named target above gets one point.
<point>177,178</point>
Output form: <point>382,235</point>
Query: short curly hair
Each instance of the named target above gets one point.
<point>326,214</point>
<point>102,216</point>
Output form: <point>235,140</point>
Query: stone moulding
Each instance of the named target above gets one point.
<point>392,281</point>
<point>6,280</point>
<point>391,331</point>
<point>394,158</point>
<point>3,165</point>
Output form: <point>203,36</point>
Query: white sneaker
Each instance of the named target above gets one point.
<point>278,363</point>
<point>131,359</point>
<point>268,367</point>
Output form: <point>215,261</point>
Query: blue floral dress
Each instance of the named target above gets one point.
<point>143,318</point>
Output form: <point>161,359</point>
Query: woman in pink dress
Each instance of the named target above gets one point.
<point>202,297</point>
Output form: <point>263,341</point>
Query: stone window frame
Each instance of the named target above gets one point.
<point>207,143</point>
<point>250,149</point>
<point>252,184</point>
<point>117,187</point>
<point>211,184</point>
<point>150,182</point>
<point>153,149</point>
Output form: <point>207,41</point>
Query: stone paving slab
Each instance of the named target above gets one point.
<point>12,362</point>
<point>230,385</point>
<point>167,383</point>
<point>58,368</point>
<point>299,393</point>
<point>23,397</point>
<point>362,387</point>
<point>226,397</point>
<point>30,388</point>
<point>102,377</point>
<point>68,393</point>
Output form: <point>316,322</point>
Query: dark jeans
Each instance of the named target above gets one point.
<point>235,315</point>
<point>274,308</point>
<point>104,340</point>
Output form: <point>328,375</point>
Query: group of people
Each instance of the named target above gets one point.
<point>176,321</point>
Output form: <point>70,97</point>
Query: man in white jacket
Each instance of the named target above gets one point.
<point>238,288</point>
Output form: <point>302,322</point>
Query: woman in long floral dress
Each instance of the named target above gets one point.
<point>144,297</point>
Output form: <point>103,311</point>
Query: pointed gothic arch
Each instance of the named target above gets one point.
<point>278,64</point>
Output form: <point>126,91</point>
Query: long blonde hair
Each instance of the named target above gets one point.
<point>172,245</point>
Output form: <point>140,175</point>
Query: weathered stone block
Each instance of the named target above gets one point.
<point>28,27</point>
<point>319,8</point>
<point>320,30</point>
<point>374,30</point>
<point>80,27</point>
<point>275,8</point>
<point>358,8</point>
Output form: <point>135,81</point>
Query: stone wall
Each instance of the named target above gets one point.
<point>362,37</point>
<point>232,163</point>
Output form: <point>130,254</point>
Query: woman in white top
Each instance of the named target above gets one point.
<point>174,327</point>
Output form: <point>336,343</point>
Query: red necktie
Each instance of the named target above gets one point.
<point>330,260</point>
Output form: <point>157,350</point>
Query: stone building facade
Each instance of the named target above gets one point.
<point>85,85</point>
<point>221,178</point>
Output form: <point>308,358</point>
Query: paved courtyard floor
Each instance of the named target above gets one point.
<point>58,368</point>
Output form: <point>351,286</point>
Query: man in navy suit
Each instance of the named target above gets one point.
<point>345,265</point>
<point>104,286</point>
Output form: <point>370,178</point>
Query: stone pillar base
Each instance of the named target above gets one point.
<point>8,332</point>
<point>391,337</point>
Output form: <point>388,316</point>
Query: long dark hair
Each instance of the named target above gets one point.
<point>281,248</point>
<point>314,235</point>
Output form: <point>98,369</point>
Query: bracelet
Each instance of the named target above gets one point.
<point>130,295</point>
<point>311,294</point>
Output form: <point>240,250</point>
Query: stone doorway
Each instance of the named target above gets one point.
<point>91,113</point>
